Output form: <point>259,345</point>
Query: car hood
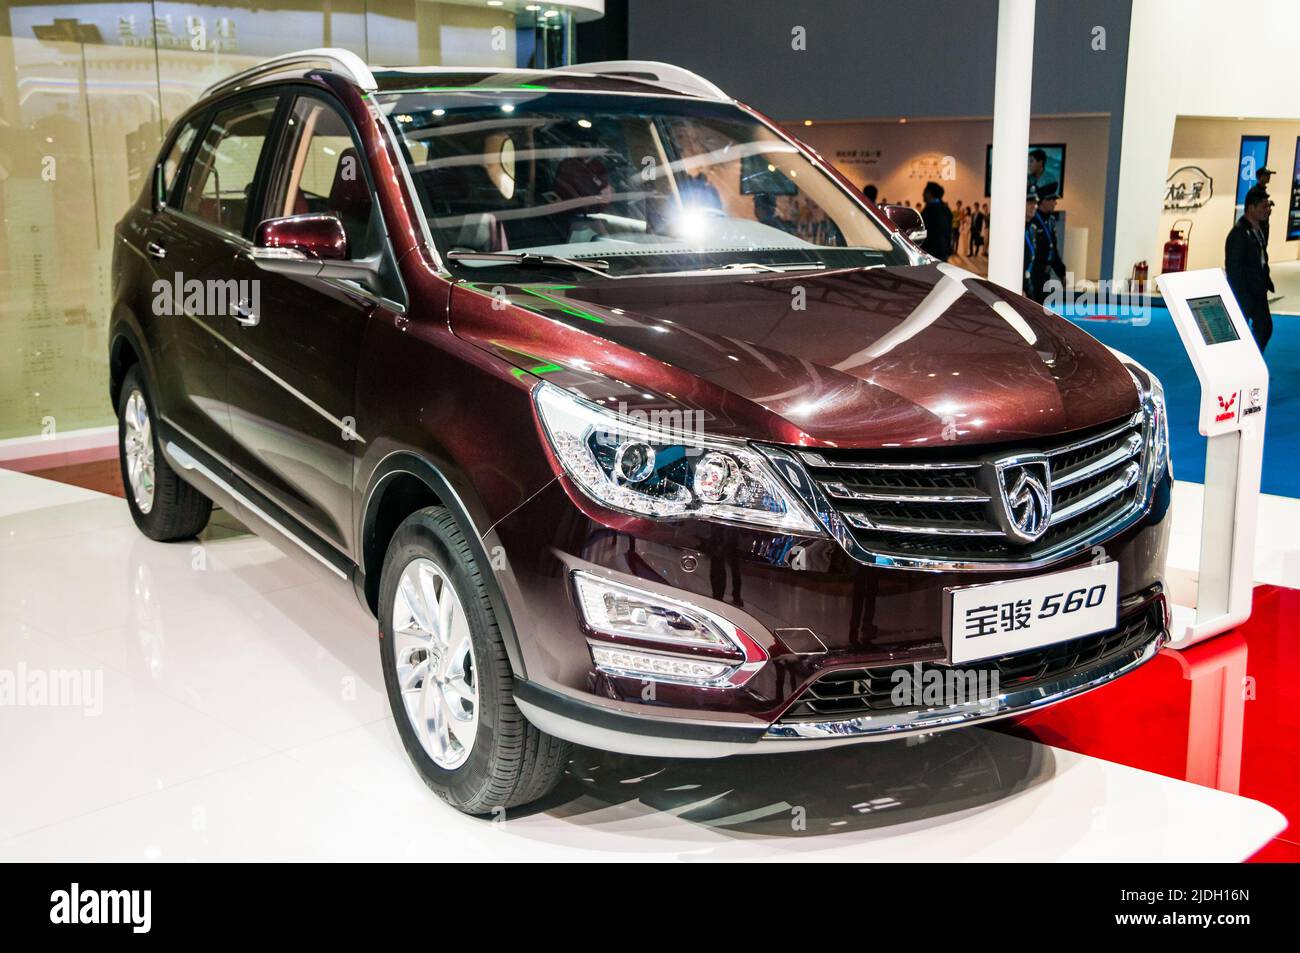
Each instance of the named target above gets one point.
<point>910,356</point>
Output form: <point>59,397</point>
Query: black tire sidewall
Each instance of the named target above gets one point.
<point>423,536</point>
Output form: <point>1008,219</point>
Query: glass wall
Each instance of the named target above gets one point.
<point>87,91</point>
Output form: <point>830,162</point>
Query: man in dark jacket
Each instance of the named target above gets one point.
<point>1245,259</point>
<point>1036,251</point>
<point>1046,218</point>
<point>978,219</point>
<point>938,222</point>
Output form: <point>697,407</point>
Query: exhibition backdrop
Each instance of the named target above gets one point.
<point>86,91</point>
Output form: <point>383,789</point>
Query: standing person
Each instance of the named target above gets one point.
<point>978,220</point>
<point>1262,179</point>
<point>1047,221</point>
<point>1035,275</point>
<point>938,222</point>
<point>1245,259</point>
<point>869,190</point>
<point>1039,172</point>
<point>957,214</point>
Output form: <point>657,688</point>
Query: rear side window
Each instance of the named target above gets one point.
<point>220,184</point>
<point>171,163</point>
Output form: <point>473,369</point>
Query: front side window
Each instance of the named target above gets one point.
<point>219,187</point>
<point>647,185</point>
<point>320,171</point>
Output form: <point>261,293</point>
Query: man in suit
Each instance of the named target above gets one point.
<point>938,222</point>
<point>1245,259</point>
<point>1262,178</point>
<point>1035,275</point>
<point>1046,216</point>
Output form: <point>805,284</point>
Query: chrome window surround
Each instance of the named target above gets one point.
<point>787,463</point>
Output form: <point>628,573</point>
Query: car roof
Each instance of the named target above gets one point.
<point>635,77</point>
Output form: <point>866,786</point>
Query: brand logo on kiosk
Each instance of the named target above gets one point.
<point>1023,503</point>
<point>1226,409</point>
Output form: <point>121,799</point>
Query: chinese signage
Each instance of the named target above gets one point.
<point>1187,189</point>
<point>174,32</point>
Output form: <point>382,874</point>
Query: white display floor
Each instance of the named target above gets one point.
<point>234,709</point>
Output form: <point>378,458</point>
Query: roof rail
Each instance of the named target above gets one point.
<point>665,74</point>
<point>334,59</point>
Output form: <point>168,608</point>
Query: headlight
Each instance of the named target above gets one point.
<point>629,466</point>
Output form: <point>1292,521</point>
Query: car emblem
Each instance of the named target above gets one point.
<point>1022,504</point>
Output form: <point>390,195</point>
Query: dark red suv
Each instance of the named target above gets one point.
<point>630,421</point>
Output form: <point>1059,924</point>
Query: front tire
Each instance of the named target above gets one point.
<point>164,506</point>
<point>448,677</point>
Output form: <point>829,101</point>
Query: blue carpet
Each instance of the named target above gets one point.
<point>1157,346</point>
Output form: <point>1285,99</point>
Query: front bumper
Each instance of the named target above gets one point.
<point>598,727</point>
<point>815,610</point>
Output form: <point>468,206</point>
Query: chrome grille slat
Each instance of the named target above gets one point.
<point>1132,423</point>
<point>913,507</point>
<point>1128,478</point>
<point>818,460</point>
<point>841,491</point>
<point>936,529</point>
<point>1129,448</point>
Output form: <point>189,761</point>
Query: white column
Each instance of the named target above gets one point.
<point>1011,91</point>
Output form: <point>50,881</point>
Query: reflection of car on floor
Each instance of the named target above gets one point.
<point>632,424</point>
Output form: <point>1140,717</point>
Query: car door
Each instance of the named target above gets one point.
<point>292,396</point>
<point>195,240</point>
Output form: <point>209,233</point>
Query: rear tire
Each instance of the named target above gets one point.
<point>478,755</point>
<point>163,505</point>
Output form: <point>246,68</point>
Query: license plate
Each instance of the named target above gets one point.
<point>1007,617</point>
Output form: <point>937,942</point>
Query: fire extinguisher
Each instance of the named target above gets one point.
<point>1176,248</point>
<point>1139,280</point>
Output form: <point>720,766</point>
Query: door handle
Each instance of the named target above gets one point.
<point>155,250</point>
<point>245,315</point>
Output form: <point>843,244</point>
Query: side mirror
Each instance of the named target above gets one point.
<point>309,246</point>
<point>906,220</point>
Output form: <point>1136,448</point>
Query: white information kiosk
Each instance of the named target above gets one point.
<point>1234,402</point>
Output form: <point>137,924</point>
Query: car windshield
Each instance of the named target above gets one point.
<point>640,184</point>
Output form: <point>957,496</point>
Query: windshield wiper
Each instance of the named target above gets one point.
<point>792,266</point>
<point>526,259</point>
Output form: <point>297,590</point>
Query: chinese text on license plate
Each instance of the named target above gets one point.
<point>1019,614</point>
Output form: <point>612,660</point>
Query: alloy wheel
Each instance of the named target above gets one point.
<point>434,657</point>
<point>138,446</point>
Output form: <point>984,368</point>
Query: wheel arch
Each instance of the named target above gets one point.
<point>124,352</point>
<point>401,484</point>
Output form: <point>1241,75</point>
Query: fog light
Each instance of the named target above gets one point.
<point>723,656</point>
<point>619,661</point>
<point>622,610</point>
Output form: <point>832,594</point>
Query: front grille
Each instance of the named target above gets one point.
<point>917,506</point>
<point>852,693</point>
